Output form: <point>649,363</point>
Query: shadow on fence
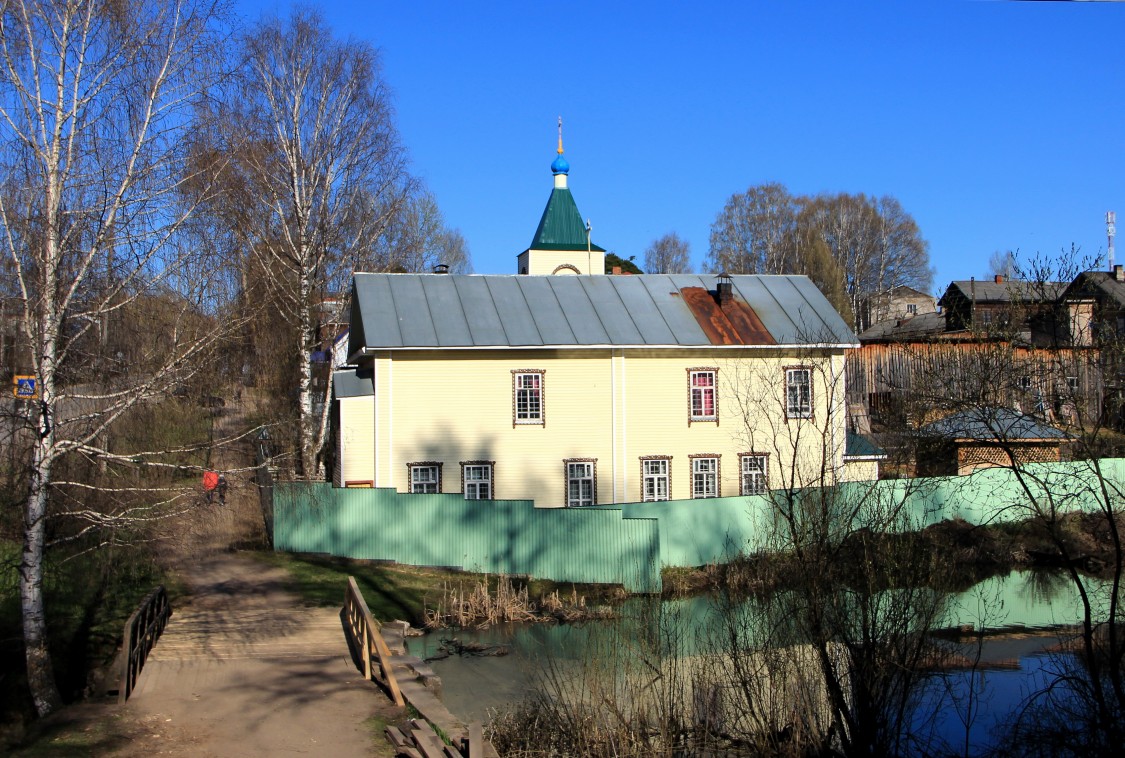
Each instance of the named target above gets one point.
<point>629,544</point>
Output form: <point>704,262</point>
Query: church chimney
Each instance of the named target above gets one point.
<point>724,291</point>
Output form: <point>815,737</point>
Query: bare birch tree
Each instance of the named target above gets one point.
<point>874,243</point>
<point>669,254</point>
<point>95,102</point>
<point>873,240</point>
<point>315,171</point>
<point>1002,262</point>
<point>753,232</point>
<point>416,238</point>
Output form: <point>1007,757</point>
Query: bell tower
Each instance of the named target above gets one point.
<point>561,244</point>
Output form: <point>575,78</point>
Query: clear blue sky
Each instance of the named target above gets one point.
<point>998,125</point>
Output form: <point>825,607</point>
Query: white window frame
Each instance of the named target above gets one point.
<point>1073,385</point>
<point>527,397</point>
<point>796,405</point>
<point>477,479</point>
<point>704,477</point>
<point>425,478</point>
<point>912,309</point>
<point>753,473</point>
<point>1025,382</point>
<point>583,475</point>
<point>656,479</point>
<point>701,393</point>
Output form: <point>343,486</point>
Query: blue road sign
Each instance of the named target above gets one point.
<point>25,387</point>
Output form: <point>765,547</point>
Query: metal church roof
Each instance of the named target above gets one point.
<point>561,227</point>
<point>404,311</point>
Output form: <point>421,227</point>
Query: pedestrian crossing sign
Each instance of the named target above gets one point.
<point>25,387</point>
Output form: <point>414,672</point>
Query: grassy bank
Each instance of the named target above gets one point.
<point>391,591</point>
<point>395,591</point>
<point>88,598</point>
<point>966,554</point>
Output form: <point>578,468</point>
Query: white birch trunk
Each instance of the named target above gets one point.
<point>305,337</point>
<point>93,113</point>
<point>40,672</point>
<point>314,193</point>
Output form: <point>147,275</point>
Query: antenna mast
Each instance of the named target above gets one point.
<point>1110,232</point>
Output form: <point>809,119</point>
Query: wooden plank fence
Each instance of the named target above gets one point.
<point>364,632</point>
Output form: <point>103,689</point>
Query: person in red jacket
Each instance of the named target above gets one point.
<point>210,484</point>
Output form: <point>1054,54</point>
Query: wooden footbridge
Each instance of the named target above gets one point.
<point>245,669</point>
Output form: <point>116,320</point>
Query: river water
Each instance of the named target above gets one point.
<point>1019,610</point>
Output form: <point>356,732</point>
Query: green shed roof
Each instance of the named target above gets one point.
<point>561,227</point>
<point>860,446</point>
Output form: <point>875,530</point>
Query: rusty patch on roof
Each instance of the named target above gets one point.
<point>736,323</point>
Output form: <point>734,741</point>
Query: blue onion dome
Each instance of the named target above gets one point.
<point>560,165</point>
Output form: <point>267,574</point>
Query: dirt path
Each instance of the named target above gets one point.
<point>243,668</point>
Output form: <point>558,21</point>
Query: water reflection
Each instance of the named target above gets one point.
<point>966,713</point>
<point>1046,586</point>
<point>1029,600</point>
<point>961,710</point>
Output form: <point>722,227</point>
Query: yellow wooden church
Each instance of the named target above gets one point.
<point>570,387</point>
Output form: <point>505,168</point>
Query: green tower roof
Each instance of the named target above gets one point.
<point>561,227</point>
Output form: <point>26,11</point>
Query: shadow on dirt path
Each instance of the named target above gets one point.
<point>243,668</point>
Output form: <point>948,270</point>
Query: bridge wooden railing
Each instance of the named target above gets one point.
<point>364,631</point>
<point>141,632</point>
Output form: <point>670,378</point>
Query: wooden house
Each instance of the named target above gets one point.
<point>896,304</point>
<point>998,342</point>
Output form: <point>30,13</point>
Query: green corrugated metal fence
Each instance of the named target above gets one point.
<point>698,532</point>
<point>629,544</point>
<point>496,536</point>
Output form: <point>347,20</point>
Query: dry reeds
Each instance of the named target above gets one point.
<point>484,603</point>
